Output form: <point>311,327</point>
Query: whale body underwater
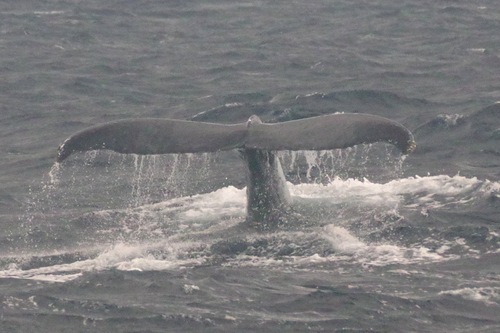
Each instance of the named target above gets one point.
<point>268,199</point>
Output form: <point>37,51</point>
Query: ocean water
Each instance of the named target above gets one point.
<point>385,243</point>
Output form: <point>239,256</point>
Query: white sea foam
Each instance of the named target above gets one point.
<point>377,254</point>
<point>126,257</point>
<point>196,222</point>
<point>49,12</point>
<point>430,192</point>
<point>341,240</point>
<point>25,304</point>
<point>486,295</point>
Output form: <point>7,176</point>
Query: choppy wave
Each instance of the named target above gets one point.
<point>150,244</point>
<point>338,224</point>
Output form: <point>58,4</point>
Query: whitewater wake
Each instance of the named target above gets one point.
<point>338,220</point>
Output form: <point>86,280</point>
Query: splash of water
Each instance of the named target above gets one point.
<point>160,218</point>
<point>374,161</point>
<point>181,231</point>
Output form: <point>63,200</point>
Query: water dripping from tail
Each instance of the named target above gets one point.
<point>374,161</point>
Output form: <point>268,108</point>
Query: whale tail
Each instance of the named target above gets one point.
<point>267,194</point>
<point>150,136</point>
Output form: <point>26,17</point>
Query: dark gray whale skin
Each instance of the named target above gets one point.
<point>268,199</point>
<point>267,194</point>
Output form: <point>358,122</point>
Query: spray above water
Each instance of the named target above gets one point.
<point>182,212</point>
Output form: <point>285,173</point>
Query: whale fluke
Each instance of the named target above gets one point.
<point>149,136</point>
<point>267,194</point>
<point>330,132</point>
